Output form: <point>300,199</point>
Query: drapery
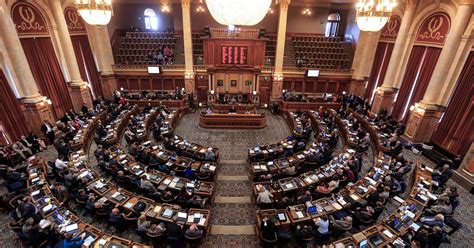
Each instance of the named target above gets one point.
<point>418,73</point>
<point>86,62</point>
<point>454,132</point>
<point>379,68</point>
<point>11,116</point>
<point>47,73</point>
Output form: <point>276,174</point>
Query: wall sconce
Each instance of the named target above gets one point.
<point>165,9</point>
<point>188,75</point>
<point>278,77</point>
<point>265,105</point>
<point>283,91</point>
<point>307,12</point>
<point>212,92</point>
<point>265,78</point>
<point>344,92</point>
<point>412,107</point>
<point>200,104</point>
<point>254,93</point>
<point>200,77</point>
<point>200,9</point>
<point>121,88</point>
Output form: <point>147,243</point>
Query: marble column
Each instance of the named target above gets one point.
<point>363,60</point>
<point>34,106</point>
<point>385,94</point>
<point>80,93</point>
<point>425,117</point>
<point>188,46</point>
<point>281,36</point>
<point>280,50</point>
<point>102,48</point>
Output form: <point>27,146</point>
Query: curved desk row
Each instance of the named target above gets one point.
<point>233,121</point>
<point>304,106</point>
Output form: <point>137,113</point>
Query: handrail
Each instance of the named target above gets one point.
<point>235,34</point>
<point>143,67</point>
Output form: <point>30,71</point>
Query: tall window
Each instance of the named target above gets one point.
<point>151,21</point>
<point>332,27</point>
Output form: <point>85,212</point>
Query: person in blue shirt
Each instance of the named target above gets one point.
<point>71,242</point>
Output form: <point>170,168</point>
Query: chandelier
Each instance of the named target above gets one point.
<point>373,14</point>
<point>95,12</point>
<point>238,12</point>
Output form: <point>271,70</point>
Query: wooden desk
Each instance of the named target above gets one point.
<point>233,121</point>
<point>304,106</point>
<point>272,214</point>
<point>180,105</point>
<point>240,108</point>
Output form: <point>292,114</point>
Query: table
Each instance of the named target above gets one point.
<point>233,121</point>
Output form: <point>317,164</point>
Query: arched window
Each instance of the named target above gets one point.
<point>332,27</point>
<point>151,21</point>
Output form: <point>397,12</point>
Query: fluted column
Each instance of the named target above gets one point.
<point>363,60</point>
<point>34,105</point>
<point>434,93</point>
<point>188,46</point>
<point>281,36</point>
<point>80,93</point>
<point>425,117</point>
<point>280,50</point>
<point>100,43</point>
<point>385,94</point>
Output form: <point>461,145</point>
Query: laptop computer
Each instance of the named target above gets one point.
<point>312,210</point>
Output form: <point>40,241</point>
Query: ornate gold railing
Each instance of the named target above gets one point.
<point>235,34</point>
<point>164,68</point>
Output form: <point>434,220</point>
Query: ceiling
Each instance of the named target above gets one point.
<point>306,3</point>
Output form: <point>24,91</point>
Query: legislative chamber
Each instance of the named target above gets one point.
<point>236,123</point>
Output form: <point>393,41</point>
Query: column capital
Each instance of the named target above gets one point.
<point>466,2</point>
<point>410,4</point>
<point>284,4</point>
<point>186,3</point>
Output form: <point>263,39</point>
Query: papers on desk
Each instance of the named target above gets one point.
<point>47,208</point>
<point>182,215</point>
<point>299,214</point>
<point>99,185</point>
<point>71,228</point>
<point>88,241</point>
<point>167,181</point>
<point>212,168</point>
<point>129,205</point>
<point>398,199</point>
<point>388,233</point>
<point>44,224</point>
<point>415,226</point>
<point>168,213</point>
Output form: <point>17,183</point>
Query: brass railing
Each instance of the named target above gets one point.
<point>164,68</point>
<point>237,33</point>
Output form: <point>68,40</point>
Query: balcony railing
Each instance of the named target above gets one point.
<point>234,34</point>
<point>139,68</point>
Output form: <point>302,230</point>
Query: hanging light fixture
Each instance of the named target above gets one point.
<point>95,12</point>
<point>238,12</point>
<point>372,15</point>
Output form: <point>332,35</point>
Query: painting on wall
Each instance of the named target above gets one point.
<point>220,83</point>
<point>233,83</point>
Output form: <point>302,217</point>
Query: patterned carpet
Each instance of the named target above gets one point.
<point>233,220</point>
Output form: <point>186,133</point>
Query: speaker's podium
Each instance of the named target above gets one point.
<point>234,62</point>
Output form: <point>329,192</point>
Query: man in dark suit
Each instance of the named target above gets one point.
<point>47,129</point>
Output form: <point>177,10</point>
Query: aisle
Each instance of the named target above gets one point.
<point>233,208</point>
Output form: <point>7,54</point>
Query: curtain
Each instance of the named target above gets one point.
<point>377,75</point>
<point>47,73</point>
<point>86,62</point>
<point>11,115</point>
<point>414,67</point>
<point>454,132</point>
<point>379,53</point>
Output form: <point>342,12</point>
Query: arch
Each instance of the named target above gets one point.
<point>75,23</point>
<point>151,20</point>
<point>28,19</point>
<point>434,29</point>
<point>424,12</point>
<point>332,25</point>
<point>149,12</point>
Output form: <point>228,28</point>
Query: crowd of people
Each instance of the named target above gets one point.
<point>162,56</point>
